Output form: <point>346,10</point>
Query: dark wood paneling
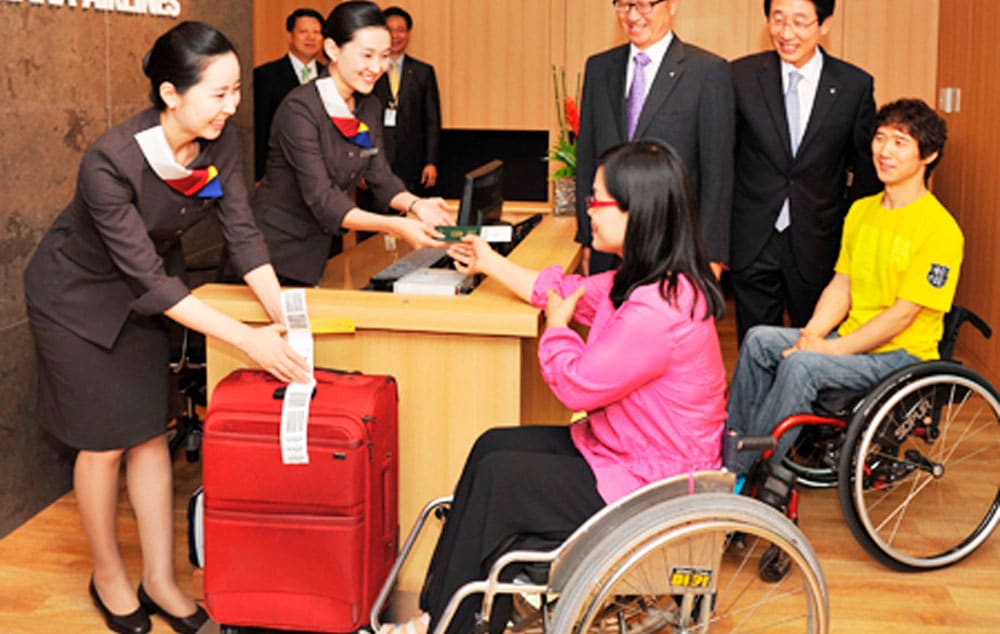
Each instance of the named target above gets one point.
<point>966,181</point>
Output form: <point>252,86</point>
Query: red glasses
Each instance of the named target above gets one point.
<point>593,202</point>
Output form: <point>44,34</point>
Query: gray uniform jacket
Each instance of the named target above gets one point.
<point>116,248</point>
<point>312,172</point>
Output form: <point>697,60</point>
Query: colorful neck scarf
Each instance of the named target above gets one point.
<point>350,127</point>
<point>203,183</point>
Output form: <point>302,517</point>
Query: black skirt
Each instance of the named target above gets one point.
<point>97,399</point>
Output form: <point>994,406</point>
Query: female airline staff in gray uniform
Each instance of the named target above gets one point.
<point>96,290</point>
<point>326,136</point>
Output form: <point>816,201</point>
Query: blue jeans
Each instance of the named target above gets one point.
<point>767,388</point>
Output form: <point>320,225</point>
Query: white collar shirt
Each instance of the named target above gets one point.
<point>656,53</point>
<point>298,66</point>
<point>807,86</point>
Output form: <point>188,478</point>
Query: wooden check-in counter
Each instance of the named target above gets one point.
<point>463,364</point>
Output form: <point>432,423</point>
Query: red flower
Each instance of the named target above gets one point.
<point>572,115</point>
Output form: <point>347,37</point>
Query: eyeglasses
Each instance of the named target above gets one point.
<point>644,7</point>
<point>593,203</point>
<point>778,22</point>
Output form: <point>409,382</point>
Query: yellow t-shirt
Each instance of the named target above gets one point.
<point>912,253</point>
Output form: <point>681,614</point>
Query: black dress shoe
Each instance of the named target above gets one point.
<point>136,622</point>
<point>185,625</point>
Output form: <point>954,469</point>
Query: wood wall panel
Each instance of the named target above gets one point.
<point>493,57</point>
<point>895,41</point>
<point>498,65</point>
<point>967,181</point>
<point>727,28</point>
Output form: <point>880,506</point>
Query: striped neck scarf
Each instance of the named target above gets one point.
<point>352,129</point>
<point>202,183</point>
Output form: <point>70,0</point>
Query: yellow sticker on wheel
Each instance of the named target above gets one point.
<point>691,578</point>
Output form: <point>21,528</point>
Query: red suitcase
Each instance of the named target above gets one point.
<point>300,546</point>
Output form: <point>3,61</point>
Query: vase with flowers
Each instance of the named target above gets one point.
<point>564,150</point>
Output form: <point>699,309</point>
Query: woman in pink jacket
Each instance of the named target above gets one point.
<point>650,377</point>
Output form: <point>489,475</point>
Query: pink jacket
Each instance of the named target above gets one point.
<point>650,377</point>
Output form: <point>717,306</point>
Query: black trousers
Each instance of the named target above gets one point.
<point>772,284</point>
<point>519,485</point>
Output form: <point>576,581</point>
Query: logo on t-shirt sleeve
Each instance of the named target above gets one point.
<point>938,275</point>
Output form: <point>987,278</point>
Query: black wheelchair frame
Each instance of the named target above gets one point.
<point>897,453</point>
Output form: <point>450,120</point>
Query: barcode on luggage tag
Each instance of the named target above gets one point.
<point>294,305</point>
<point>296,422</point>
<point>295,302</point>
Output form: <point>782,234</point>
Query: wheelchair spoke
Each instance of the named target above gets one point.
<point>937,428</point>
<point>900,511</point>
<point>969,431</point>
<point>748,556</point>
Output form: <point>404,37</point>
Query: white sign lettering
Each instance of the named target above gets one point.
<point>157,8</point>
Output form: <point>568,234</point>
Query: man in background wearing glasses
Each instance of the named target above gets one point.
<point>657,87</point>
<point>803,127</point>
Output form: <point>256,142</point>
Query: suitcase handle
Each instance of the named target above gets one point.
<point>279,393</point>
<point>336,371</point>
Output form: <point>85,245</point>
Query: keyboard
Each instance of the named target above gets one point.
<point>430,257</point>
<point>519,232</point>
<point>434,257</point>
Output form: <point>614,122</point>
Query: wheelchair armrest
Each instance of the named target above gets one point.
<point>953,323</point>
<point>733,443</point>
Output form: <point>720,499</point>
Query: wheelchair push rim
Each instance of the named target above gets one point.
<point>920,489</point>
<point>676,568</point>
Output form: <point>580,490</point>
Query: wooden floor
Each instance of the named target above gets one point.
<point>45,567</point>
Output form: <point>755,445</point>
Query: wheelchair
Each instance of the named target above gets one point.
<point>188,370</point>
<point>680,555</point>
<point>922,439</point>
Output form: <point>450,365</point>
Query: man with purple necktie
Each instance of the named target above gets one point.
<point>657,87</point>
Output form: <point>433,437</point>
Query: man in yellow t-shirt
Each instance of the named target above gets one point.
<point>894,280</point>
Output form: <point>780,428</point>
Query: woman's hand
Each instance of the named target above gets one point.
<point>433,212</point>
<point>472,255</point>
<point>559,310</point>
<point>268,348</point>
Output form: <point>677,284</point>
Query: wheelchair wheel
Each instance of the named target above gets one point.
<point>919,485</point>
<point>676,567</point>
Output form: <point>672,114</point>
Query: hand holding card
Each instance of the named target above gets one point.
<point>490,233</point>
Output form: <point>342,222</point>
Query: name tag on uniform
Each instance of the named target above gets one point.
<point>390,118</point>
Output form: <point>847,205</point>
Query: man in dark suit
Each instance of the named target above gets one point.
<point>273,80</point>
<point>681,94</point>
<point>791,194</point>
<point>412,118</point>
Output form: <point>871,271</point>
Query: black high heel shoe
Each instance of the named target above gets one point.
<point>184,625</point>
<point>136,622</point>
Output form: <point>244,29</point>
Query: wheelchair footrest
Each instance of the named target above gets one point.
<point>774,485</point>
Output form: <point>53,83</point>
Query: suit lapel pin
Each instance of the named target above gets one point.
<point>833,91</point>
<point>672,73</point>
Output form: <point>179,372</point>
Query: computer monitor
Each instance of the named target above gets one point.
<point>482,195</point>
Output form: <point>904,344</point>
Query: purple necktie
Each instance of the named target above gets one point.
<point>636,92</point>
